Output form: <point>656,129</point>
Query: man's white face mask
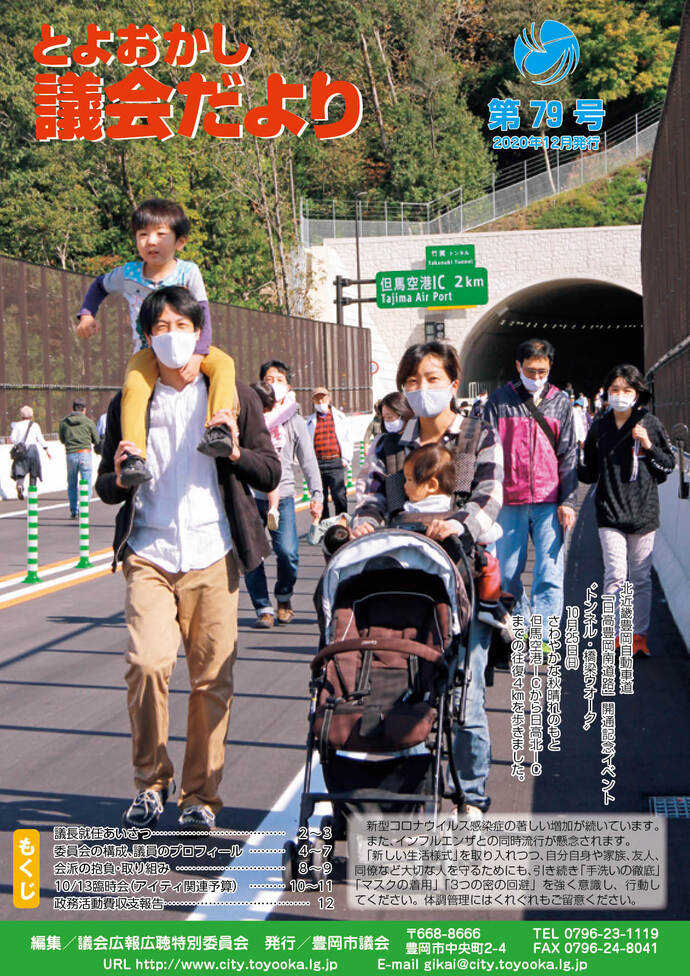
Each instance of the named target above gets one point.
<point>533,386</point>
<point>174,349</point>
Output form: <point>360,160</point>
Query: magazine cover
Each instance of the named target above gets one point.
<point>344,486</point>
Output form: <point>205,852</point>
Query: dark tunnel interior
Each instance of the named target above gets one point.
<point>592,325</point>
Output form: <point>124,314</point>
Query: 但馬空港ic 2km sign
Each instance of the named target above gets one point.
<point>450,280</point>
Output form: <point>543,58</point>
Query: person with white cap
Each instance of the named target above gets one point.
<point>333,448</point>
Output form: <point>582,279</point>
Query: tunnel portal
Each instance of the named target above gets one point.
<point>593,326</point>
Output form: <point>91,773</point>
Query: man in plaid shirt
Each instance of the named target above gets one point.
<point>333,447</point>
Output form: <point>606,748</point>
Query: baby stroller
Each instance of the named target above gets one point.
<point>388,681</point>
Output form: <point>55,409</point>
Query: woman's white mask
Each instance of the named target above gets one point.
<point>429,402</point>
<point>621,402</point>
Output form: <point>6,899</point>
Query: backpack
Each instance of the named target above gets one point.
<point>19,451</point>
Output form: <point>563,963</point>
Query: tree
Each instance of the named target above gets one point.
<point>623,51</point>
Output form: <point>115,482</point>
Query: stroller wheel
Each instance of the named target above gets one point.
<point>289,862</point>
<point>298,863</point>
<point>337,825</point>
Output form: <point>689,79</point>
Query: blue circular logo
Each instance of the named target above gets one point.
<point>551,58</point>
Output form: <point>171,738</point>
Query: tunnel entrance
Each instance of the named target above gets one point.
<point>592,325</point>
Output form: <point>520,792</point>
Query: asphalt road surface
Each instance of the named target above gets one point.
<point>66,744</point>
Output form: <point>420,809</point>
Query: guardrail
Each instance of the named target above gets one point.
<point>512,188</point>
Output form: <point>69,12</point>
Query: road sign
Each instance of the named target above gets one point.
<point>450,255</point>
<point>457,286</point>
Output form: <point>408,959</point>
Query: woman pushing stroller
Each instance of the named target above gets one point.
<point>429,375</point>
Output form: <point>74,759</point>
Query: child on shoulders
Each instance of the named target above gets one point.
<point>161,230</point>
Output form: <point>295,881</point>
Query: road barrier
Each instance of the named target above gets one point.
<point>84,561</point>
<point>32,537</point>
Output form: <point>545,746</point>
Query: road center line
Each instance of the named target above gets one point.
<point>21,512</point>
<point>65,566</point>
<point>34,590</point>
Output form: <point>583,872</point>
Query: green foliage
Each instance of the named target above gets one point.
<point>426,69</point>
<point>422,169</point>
<point>603,203</point>
<point>624,50</point>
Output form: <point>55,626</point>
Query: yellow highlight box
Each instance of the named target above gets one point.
<point>26,868</point>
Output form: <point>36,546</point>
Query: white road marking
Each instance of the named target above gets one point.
<point>284,815</point>
<point>21,512</point>
<point>33,588</point>
<point>53,571</point>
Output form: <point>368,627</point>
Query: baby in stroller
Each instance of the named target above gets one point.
<point>429,485</point>
<point>430,478</point>
<point>388,682</point>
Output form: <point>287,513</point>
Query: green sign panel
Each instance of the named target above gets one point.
<point>451,287</point>
<point>449,280</point>
<point>450,255</point>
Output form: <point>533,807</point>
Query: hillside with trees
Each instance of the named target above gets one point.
<point>426,69</point>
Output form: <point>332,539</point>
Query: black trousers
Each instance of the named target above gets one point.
<point>333,478</point>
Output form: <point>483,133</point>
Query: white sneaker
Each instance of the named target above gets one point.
<point>467,811</point>
<point>273,519</point>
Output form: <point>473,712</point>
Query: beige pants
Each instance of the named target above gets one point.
<point>201,607</point>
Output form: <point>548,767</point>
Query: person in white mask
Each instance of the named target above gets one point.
<point>392,412</point>
<point>628,454</point>
<point>429,375</point>
<point>534,420</point>
<point>330,432</point>
<point>183,536</point>
<point>293,445</point>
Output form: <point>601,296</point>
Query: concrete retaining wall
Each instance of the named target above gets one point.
<point>672,553</point>
<point>54,470</point>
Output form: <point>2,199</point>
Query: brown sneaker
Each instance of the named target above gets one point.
<point>265,620</point>
<point>285,613</point>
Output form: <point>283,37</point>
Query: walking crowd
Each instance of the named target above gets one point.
<point>203,465</point>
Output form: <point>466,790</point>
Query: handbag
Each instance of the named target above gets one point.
<point>19,451</point>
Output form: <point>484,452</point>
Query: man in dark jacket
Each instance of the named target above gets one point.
<point>78,432</point>
<point>183,536</point>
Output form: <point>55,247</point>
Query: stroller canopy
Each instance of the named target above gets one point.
<point>408,550</point>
